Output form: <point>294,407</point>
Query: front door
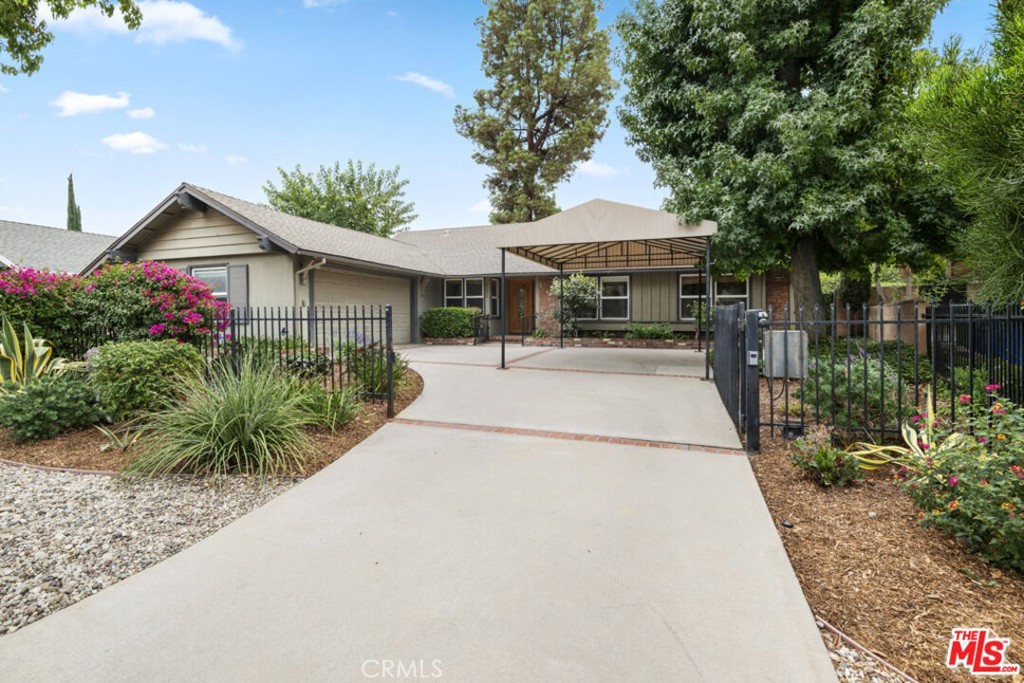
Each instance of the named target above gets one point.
<point>520,307</point>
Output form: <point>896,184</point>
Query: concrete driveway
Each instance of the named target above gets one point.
<point>452,547</point>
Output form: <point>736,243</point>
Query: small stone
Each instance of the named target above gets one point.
<point>872,515</point>
<point>788,524</point>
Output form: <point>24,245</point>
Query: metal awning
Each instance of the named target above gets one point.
<point>602,235</point>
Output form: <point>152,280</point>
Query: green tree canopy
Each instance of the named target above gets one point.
<point>780,120</point>
<point>547,105</point>
<point>23,34</point>
<point>364,199</point>
<point>74,210</point>
<point>970,113</point>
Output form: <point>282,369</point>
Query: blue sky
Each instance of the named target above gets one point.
<point>221,93</point>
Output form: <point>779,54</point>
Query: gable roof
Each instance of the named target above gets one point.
<point>470,251</point>
<point>41,247</point>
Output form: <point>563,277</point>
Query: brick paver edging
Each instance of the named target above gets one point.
<point>571,436</point>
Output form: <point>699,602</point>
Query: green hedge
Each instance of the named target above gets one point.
<point>138,376</point>
<point>449,322</point>
<point>45,408</point>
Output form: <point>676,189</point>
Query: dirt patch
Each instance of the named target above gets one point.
<point>868,567</point>
<point>80,449</point>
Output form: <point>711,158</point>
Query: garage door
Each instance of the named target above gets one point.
<point>335,288</point>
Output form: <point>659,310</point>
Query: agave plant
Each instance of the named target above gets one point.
<point>24,360</point>
<point>920,439</point>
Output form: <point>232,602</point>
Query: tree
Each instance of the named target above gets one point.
<point>74,210</point>
<point>23,33</point>
<point>780,121</point>
<point>368,200</point>
<point>971,115</point>
<point>576,296</point>
<point>548,103</point>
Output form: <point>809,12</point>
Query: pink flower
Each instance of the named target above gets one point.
<point>982,439</point>
<point>965,398</point>
<point>991,388</point>
<point>157,329</point>
<point>953,481</point>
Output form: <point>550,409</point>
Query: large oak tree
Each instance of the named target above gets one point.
<point>547,104</point>
<point>780,120</point>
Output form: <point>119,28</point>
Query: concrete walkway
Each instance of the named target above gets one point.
<point>452,552</point>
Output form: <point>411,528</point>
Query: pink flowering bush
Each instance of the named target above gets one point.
<point>120,301</point>
<point>44,300</point>
<point>150,300</point>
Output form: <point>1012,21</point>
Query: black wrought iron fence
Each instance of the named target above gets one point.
<point>867,370</point>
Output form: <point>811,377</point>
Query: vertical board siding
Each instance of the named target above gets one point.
<point>654,297</point>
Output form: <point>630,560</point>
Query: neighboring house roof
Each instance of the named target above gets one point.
<point>44,248</point>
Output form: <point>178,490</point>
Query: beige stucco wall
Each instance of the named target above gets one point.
<point>271,276</point>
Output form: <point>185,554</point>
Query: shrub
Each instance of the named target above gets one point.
<point>822,462</point>
<point>248,421</point>
<point>149,300</point>
<point>650,331</point>
<point>132,378</point>
<point>332,409</point>
<point>970,483</point>
<point>308,366</point>
<point>44,301</point>
<point>45,408</point>
<point>575,298</point>
<point>367,364</point>
<point>863,396</point>
<point>451,321</point>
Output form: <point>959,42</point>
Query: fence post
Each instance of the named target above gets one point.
<point>390,361</point>
<point>233,326</point>
<point>753,385</point>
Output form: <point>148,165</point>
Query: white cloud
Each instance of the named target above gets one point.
<point>237,159</point>
<point>4,88</point>
<point>428,83</point>
<point>314,4</point>
<point>163,21</point>
<point>393,14</point>
<point>598,169</point>
<point>73,103</point>
<point>143,113</point>
<point>482,206</point>
<point>134,143</point>
<point>192,149</point>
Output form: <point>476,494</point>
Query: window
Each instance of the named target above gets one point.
<point>453,293</point>
<point>216,277</point>
<point>474,288</point>
<point>495,296</point>
<point>730,292</point>
<point>691,292</point>
<point>615,298</point>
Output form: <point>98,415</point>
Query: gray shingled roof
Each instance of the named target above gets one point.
<point>41,247</point>
<point>470,251</point>
<point>320,238</point>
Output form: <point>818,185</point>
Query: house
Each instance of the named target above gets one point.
<point>253,255</point>
<point>23,245</point>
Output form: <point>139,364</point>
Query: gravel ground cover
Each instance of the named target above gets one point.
<point>65,536</point>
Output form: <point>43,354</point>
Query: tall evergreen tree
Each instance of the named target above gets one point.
<point>780,120</point>
<point>547,105</point>
<point>74,210</point>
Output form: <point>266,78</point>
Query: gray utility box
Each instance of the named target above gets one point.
<point>785,354</point>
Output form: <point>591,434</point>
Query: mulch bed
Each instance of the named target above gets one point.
<point>869,568</point>
<point>80,449</point>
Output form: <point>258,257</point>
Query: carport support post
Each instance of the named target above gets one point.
<point>504,313</point>
<point>707,299</point>
<point>561,291</point>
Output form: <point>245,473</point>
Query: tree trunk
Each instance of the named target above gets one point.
<point>804,278</point>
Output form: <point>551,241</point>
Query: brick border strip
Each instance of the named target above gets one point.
<point>571,436</point>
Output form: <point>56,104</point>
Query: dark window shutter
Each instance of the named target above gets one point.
<point>238,286</point>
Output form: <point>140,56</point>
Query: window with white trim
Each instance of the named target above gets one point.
<point>453,293</point>
<point>691,295</point>
<point>495,296</point>
<point>474,289</point>
<point>730,292</point>
<point>614,295</point>
<point>216,277</point>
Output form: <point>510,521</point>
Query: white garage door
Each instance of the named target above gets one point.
<point>335,288</point>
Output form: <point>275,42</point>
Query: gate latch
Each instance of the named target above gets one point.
<point>752,358</point>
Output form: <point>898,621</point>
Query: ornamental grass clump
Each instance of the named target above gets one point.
<point>968,478</point>
<point>245,420</point>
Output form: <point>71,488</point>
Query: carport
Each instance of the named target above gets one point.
<point>601,240</point>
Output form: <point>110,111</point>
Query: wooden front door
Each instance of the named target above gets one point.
<point>519,307</point>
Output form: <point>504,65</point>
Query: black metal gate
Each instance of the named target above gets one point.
<point>728,358</point>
